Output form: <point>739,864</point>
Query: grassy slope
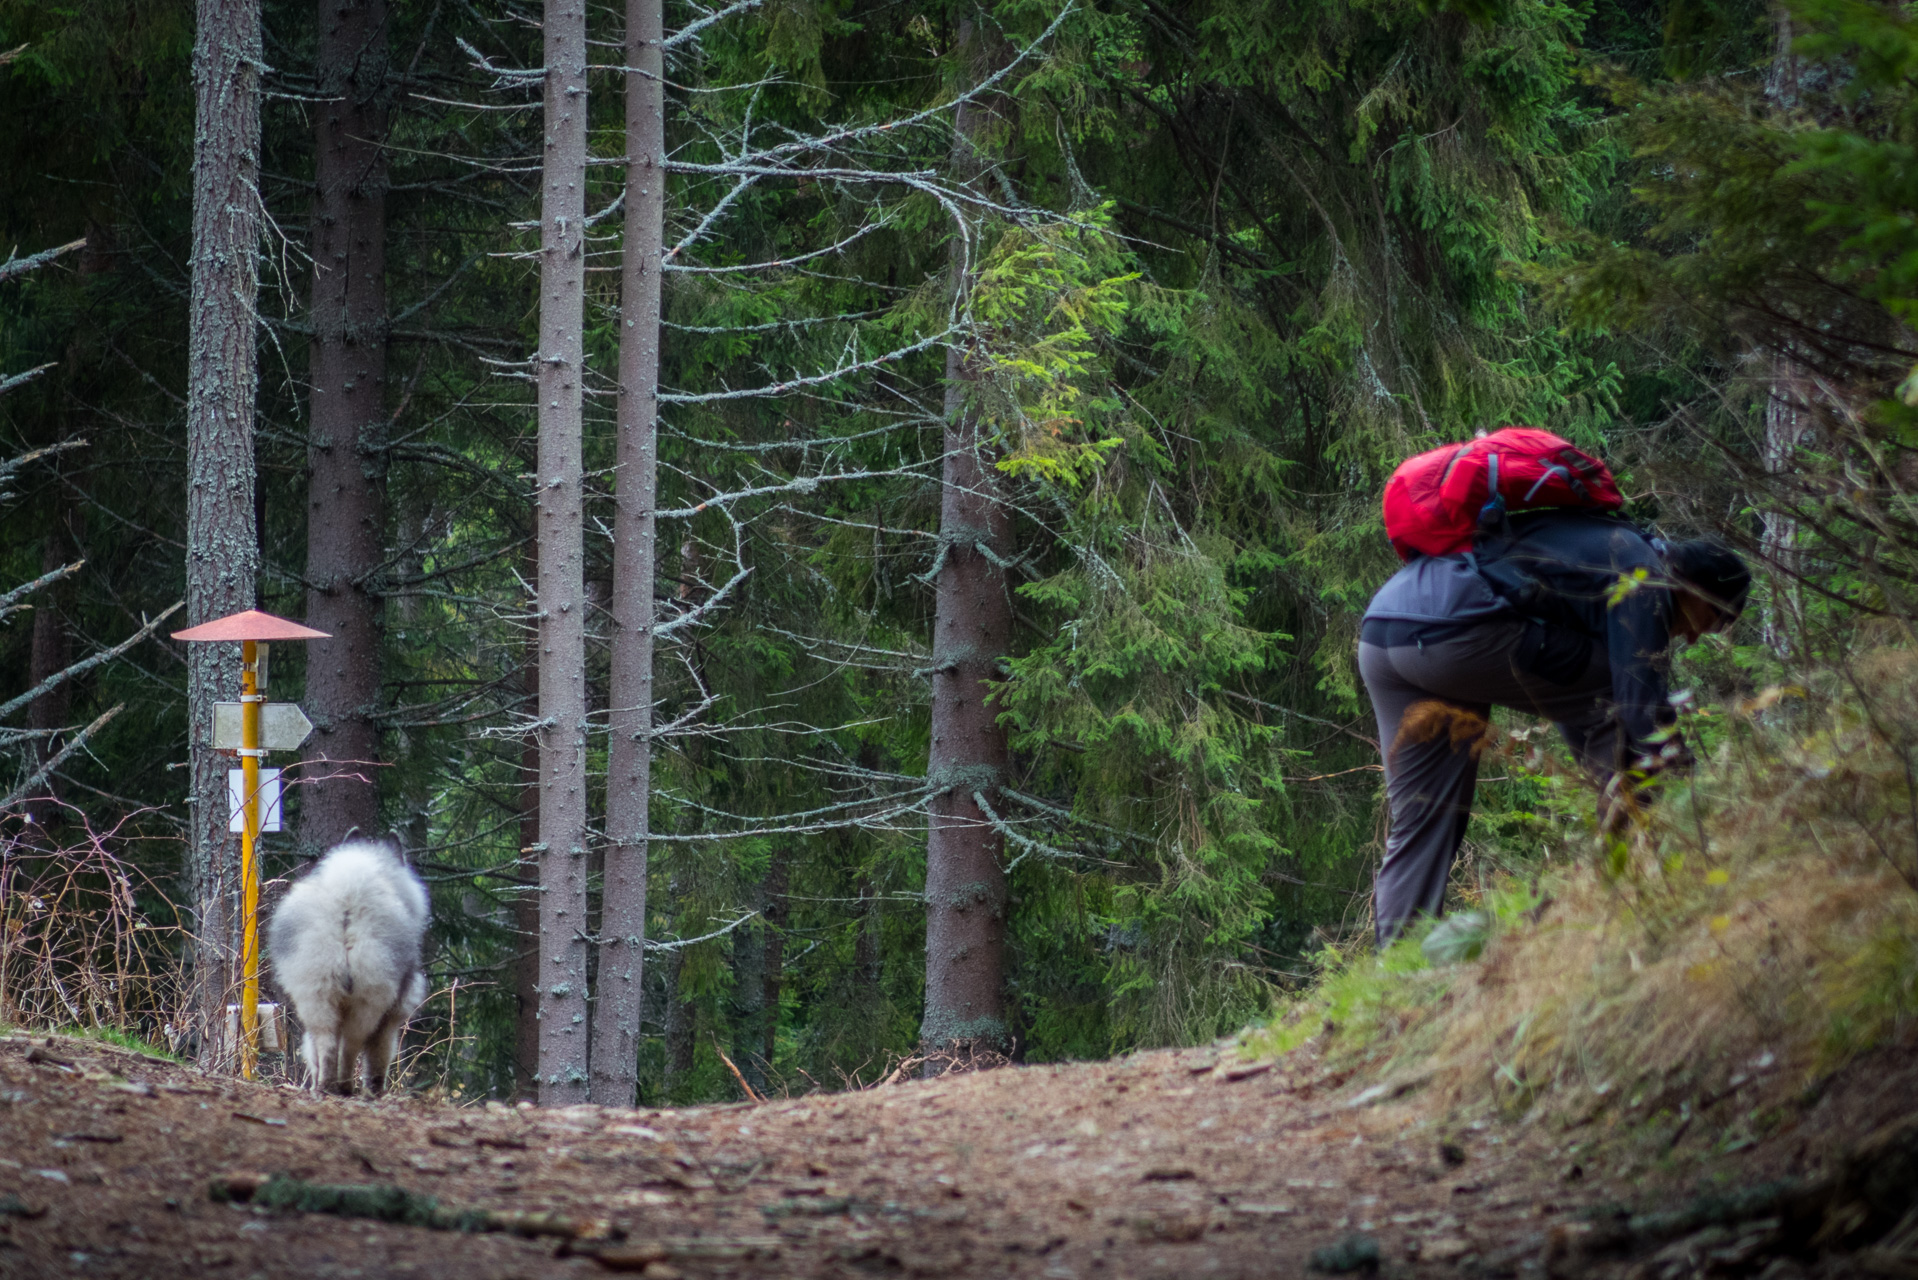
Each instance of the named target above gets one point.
<point>1750,936</point>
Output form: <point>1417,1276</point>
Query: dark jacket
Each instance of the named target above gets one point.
<point>1568,572</point>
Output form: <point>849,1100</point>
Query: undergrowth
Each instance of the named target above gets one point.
<point>1752,932</point>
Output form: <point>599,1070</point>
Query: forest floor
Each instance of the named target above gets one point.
<point>1179,1163</point>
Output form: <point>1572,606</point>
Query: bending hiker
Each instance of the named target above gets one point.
<point>1538,618</point>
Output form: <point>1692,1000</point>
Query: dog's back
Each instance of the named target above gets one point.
<point>345,944</point>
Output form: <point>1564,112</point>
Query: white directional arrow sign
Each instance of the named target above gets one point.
<point>283,726</point>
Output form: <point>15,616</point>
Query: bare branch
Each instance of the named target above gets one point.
<point>59,678</point>
<point>653,944</point>
<point>9,601</point>
<point>21,379</point>
<point>810,380</point>
<point>692,29</point>
<point>712,215</point>
<point>805,484</point>
<point>40,775</point>
<point>941,113</point>
<point>515,77</point>
<point>11,465</point>
<point>704,607</point>
<point>14,266</point>
<point>767,264</point>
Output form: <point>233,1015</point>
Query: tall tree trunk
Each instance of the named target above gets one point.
<point>346,449</point>
<point>562,584</point>
<point>223,554</point>
<point>759,953</point>
<point>1787,408</point>
<point>867,958</point>
<point>622,930</point>
<point>526,912</point>
<point>51,652</point>
<point>679,1027</point>
<point>972,631</point>
<point>772,908</point>
<point>749,1002</point>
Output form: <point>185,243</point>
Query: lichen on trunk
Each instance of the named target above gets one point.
<point>622,931</point>
<point>223,554</point>
<point>561,605</point>
<point>964,1022</point>
<point>346,448</point>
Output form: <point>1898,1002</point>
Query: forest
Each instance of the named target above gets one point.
<point>842,525</point>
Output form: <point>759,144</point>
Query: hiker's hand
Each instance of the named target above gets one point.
<point>1673,756</point>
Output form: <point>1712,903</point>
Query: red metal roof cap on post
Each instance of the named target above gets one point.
<point>251,625</point>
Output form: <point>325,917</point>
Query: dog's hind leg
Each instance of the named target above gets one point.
<point>351,1046</point>
<point>321,1049</point>
<point>381,1048</point>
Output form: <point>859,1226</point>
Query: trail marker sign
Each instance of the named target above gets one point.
<point>267,798</point>
<point>283,726</point>
<point>251,739</point>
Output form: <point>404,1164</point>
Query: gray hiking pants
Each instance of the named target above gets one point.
<point>1432,700</point>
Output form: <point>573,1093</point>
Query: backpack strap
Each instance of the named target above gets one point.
<point>1492,516</point>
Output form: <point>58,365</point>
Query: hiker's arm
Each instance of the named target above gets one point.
<point>1638,635</point>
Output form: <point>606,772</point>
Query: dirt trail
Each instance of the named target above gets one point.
<point>1159,1164</point>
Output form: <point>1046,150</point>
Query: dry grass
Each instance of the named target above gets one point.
<point>86,942</point>
<point>1753,932</point>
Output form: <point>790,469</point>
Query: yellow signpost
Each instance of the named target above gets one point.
<point>253,629</point>
<point>251,697</point>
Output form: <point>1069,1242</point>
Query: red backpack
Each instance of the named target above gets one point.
<point>1438,503</point>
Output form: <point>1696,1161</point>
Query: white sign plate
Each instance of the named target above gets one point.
<point>283,726</point>
<point>269,799</point>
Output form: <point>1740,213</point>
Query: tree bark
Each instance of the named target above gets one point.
<point>681,1024</point>
<point>964,1022</point>
<point>1787,409</point>
<point>223,554</point>
<point>772,909</point>
<point>526,911</point>
<point>346,448</point>
<point>759,954</point>
<point>867,958</point>
<point>51,653</point>
<point>563,1049</point>
<point>622,931</point>
<point>749,1003</point>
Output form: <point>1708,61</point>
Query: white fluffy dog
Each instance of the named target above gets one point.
<point>345,943</point>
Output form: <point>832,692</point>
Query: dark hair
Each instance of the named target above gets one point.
<point>1713,572</point>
